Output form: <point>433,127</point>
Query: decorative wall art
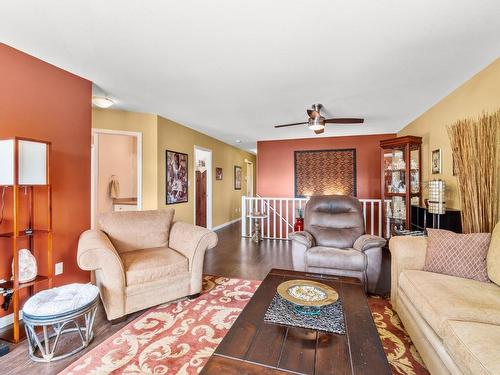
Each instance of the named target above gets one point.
<point>237,177</point>
<point>218,173</point>
<point>177,177</point>
<point>325,172</point>
<point>436,161</point>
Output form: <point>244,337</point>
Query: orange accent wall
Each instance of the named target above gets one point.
<point>41,101</point>
<point>275,162</point>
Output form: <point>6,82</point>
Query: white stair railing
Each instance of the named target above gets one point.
<point>282,212</point>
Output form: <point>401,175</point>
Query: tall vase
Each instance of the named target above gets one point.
<point>299,224</point>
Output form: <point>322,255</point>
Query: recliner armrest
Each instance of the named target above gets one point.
<point>304,238</point>
<point>368,241</point>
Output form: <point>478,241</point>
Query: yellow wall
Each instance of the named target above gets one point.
<point>225,200</point>
<point>147,125</point>
<point>480,93</point>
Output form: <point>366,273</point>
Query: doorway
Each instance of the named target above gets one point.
<point>116,172</point>
<point>203,187</point>
<point>249,178</point>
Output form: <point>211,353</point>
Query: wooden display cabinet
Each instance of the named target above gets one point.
<point>401,168</point>
<point>26,219</point>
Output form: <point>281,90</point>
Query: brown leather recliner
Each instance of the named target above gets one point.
<point>334,241</point>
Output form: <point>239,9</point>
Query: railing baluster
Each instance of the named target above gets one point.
<point>364,212</point>
<point>380,218</point>
<point>262,220</point>
<point>294,213</point>
<point>372,231</point>
<point>268,235</point>
<point>281,221</point>
<point>287,218</point>
<point>274,218</point>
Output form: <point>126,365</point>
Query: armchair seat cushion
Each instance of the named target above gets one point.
<point>439,298</point>
<point>146,265</point>
<point>331,257</point>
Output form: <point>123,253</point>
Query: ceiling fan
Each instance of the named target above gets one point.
<point>316,122</point>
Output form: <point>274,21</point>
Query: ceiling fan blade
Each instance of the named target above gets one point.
<point>321,131</point>
<point>295,123</point>
<point>344,121</point>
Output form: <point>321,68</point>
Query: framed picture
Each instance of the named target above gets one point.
<point>218,173</point>
<point>436,161</point>
<point>177,177</point>
<point>325,172</point>
<point>237,177</point>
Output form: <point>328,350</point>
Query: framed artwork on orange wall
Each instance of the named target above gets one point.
<point>325,172</point>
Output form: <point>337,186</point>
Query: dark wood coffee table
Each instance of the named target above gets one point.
<point>254,347</point>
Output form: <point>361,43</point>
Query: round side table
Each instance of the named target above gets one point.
<point>256,217</point>
<point>66,309</point>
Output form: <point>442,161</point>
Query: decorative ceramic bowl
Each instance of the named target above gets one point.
<point>307,296</point>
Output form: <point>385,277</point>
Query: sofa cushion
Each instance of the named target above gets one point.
<point>462,255</point>
<point>331,257</point>
<point>135,230</point>
<point>439,298</point>
<point>473,346</point>
<point>493,259</point>
<point>146,265</point>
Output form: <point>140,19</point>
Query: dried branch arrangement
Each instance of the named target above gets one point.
<point>476,148</point>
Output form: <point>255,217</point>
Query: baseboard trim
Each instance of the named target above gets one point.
<point>8,320</point>
<point>226,224</point>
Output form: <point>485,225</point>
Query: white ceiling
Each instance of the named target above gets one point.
<point>233,69</point>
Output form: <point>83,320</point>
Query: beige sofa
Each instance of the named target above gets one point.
<point>453,322</point>
<point>142,259</point>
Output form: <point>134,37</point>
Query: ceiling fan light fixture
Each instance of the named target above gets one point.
<point>317,123</point>
<point>102,101</point>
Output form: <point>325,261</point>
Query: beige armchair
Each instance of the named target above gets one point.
<point>141,259</point>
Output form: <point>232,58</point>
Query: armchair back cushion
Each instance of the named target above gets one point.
<point>334,220</point>
<point>133,230</point>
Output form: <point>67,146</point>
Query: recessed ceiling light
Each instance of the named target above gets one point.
<point>102,101</point>
<point>238,141</point>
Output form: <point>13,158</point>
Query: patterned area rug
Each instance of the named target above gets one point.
<point>179,337</point>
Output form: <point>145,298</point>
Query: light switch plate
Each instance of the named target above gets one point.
<point>59,268</point>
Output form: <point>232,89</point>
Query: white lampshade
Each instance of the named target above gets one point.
<point>32,162</point>
<point>437,199</point>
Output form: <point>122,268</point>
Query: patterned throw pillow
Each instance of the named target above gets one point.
<point>462,255</point>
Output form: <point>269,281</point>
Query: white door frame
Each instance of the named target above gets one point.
<point>250,168</point>
<point>94,168</point>
<point>209,185</point>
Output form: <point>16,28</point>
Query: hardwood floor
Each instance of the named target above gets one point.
<point>233,257</point>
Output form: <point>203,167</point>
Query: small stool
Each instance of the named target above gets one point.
<point>256,217</point>
<point>58,308</point>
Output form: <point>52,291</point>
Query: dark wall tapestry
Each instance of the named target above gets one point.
<point>325,172</point>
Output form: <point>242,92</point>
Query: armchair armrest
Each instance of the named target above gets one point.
<point>192,242</point>
<point>407,253</point>
<point>97,253</point>
<point>368,241</point>
<point>301,242</point>
<point>304,238</point>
